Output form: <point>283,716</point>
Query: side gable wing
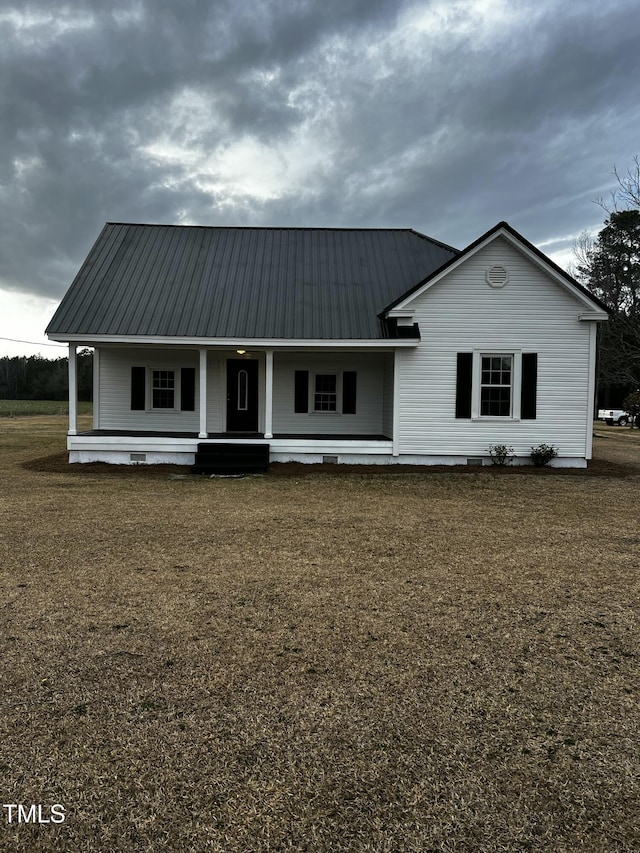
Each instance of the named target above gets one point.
<point>592,307</point>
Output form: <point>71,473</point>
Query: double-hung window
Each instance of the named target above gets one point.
<point>325,398</point>
<point>325,392</point>
<point>496,385</point>
<point>163,389</point>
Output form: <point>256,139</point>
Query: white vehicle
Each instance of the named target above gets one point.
<point>614,416</point>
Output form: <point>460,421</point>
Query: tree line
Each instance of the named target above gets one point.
<point>609,266</point>
<point>36,378</point>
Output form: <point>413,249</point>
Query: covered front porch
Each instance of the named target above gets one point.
<point>160,404</point>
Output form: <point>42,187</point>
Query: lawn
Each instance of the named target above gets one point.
<point>319,661</point>
<point>30,408</point>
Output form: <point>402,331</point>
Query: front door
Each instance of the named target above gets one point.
<point>242,395</point>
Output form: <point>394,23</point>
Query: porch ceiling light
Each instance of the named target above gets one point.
<point>241,351</point>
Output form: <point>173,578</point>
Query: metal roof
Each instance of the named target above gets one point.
<point>273,283</point>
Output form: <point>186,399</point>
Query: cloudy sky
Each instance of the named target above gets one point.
<point>446,116</point>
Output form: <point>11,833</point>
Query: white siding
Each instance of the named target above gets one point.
<point>371,368</point>
<point>368,418</point>
<point>115,390</point>
<point>461,313</point>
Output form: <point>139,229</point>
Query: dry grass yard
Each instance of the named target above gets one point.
<point>319,661</point>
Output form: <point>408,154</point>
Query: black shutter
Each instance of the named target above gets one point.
<point>349,392</point>
<point>301,393</point>
<point>188,389</point>
<point>463,384</point>
<point>529,386</point>
<point>138,382</point>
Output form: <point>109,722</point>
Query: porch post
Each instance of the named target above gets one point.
<point>203,394</point>
<point>268,394</point>
<point>73,391</point>
<point>95,393</point>
<point>591,393</point>
<point>396,407</point>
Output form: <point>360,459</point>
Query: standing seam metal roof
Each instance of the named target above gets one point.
<point>217,282</point>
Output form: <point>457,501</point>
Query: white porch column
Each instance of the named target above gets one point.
<point>396,405</point>
<point>95,395</point>
<point>591,393</point>
<point>203,394</point>
<point>73,391</point>
<point>268,394</point>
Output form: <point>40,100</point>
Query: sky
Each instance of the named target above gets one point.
<point>446,116</point>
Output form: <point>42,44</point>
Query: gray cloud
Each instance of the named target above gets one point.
<point>443,116</point>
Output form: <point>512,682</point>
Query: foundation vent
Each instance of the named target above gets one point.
<point>137,457</point>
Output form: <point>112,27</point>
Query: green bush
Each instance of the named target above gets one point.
<point>543,454</point>
<point>501,454</point>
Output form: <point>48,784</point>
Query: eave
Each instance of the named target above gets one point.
<point>235,343</point>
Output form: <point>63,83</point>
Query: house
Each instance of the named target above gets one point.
<point>312,344</point>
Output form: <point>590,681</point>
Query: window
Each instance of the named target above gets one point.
<point>163,389</point>
<point>243,391</point>
<point>326,393</point>
<point>496,375</point>
<point>496,385</point>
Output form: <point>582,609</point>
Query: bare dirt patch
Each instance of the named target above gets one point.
<point>332,661</point>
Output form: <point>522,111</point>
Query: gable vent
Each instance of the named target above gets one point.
<point>497,276</point>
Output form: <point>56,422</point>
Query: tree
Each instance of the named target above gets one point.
<point>609,266</point>
<point>37,378</point>
<point>628,190</point>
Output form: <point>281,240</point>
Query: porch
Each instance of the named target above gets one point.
<point>126,447</point>
<point>158,404</point>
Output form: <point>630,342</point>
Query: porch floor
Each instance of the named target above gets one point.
<point>236,435</point>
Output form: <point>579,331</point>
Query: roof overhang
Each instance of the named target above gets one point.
<point>235,343</point>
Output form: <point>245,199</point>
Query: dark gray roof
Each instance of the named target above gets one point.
<point>277,283</point>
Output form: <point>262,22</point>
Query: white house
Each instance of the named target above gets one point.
<point>349,345</point>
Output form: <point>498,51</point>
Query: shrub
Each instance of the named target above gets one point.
<point>543,454</point>
<point>501,454</point>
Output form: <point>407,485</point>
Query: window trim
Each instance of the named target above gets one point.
<point>516,384</point>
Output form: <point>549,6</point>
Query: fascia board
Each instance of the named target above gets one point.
<point>555,275</point>
<point>245,343</point>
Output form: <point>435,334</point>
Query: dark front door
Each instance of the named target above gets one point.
<point>242,395</point>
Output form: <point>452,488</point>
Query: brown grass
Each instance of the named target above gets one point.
<point>359,661</point>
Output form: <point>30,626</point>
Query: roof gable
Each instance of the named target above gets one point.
<point>252,283</point>
<point>590,303</point>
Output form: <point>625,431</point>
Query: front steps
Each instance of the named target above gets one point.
<point>231,459</point>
